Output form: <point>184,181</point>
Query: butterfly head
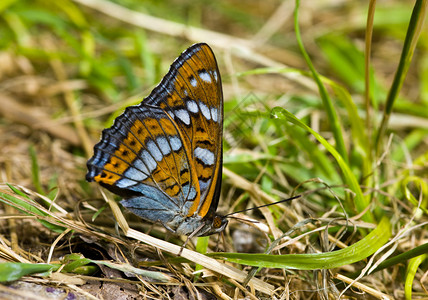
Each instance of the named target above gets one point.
<point>214,224</point>
<point>195,226</point>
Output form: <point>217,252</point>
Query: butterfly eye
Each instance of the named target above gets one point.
<point>217,222</point>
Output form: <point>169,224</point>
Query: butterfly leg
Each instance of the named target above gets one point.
<point>220,237</point>
<point>166,226</point>
<point>194,233</point>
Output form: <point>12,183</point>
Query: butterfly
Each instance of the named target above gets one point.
<point>164,156</point>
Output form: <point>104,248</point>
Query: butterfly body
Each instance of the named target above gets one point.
<point>164,156</point>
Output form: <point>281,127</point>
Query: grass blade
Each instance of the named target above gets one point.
<point>332,116</point>
<point>328,260</point>
<point>414,30</point>
<point>360,201</point>
<point>13,271</point>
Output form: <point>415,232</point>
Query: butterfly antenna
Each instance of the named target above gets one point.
<point>281,201</point>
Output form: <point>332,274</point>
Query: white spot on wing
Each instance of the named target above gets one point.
<point>183,115</point>
<point>139,165</point>
<point>192,106</point>
<point>205,155</point>
<point>214,114</point>
<point>189,192</point>
<point>163,144</point>
<point>205,76</point>
<point>175,142</point>
<point>205,110</point>
<point>148,160</point>
<point>135,174</point>
<point>193,82</point>
<point>124,183</point>
<point>154,150</point>
<point>192,193</point>
<point>215,75</point>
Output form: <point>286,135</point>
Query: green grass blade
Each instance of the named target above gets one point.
<point>412,268</point>
<point>413,32</point>
<point>410,183</point>
<point>332,116</point>
<point>13,271</point>
<point>201,247</point>
<point>20,204</point>
<point>360,201</point>
<point>361,142</point>
<point>27,207</point>
<point>402,258</point>
<point>357,125</point>
<point>328,260</point>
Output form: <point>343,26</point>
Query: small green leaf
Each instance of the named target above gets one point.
<point>13,271</point>
<point>74,261</point>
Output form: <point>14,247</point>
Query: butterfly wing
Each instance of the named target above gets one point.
<point>164,155</point>
<point>142,157</point>
<point>192,94</point>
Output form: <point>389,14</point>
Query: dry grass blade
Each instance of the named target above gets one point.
<point>363,287</point>
<point>193,256</point>
<point>161,25</point>
<point>243,48</point>
<point>15,112</point>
